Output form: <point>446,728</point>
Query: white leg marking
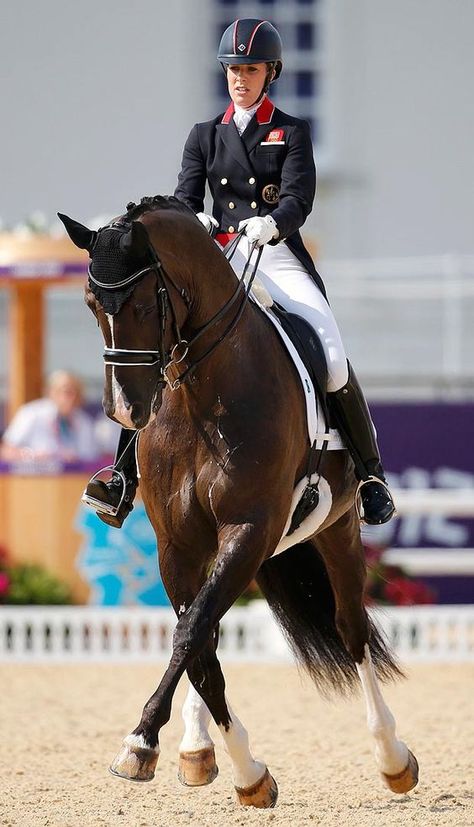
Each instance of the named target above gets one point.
<point>139,742</point>
<point>197,718</point>
<point>391,755</point>
<point>245,770</point>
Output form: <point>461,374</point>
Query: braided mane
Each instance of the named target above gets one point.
<point>149,203</point>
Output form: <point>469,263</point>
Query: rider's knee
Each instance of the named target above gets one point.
<point>338,374</point>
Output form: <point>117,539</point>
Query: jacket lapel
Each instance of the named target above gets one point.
<point>260,125</point>
<point>227,131</point>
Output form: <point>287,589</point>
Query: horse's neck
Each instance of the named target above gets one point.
<point>213,285</point>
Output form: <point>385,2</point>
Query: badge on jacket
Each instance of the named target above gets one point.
<point>275,136</point>
<point>271,194</point>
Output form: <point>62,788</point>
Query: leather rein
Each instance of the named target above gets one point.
<point>131,357</point>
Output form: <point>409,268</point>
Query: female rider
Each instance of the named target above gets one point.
<point>258,163</point>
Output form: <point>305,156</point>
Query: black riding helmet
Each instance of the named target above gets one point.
<point>251,41</point>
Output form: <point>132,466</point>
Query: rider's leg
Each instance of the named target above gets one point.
<point>112,501</point>
<point>353,419</point>
<point>291,286</point>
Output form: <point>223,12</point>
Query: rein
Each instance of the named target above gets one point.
<point>134,357</point>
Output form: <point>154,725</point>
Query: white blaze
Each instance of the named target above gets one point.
<point>121,413</point>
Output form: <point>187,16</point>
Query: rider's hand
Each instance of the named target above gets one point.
<point>208,222</point>
<point>260,229</point>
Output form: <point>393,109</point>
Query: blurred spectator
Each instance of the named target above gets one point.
<point>107,433</point>
<point>54,428</point>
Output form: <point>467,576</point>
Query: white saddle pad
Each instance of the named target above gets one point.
<point>314,413</point>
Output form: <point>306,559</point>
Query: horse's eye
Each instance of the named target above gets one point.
<point>142,310</point>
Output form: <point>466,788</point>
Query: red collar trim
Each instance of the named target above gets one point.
<point>228,113</point>
<point>264,112</point>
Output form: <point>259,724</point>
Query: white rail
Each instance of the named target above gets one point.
<point>82,633</point>
<point>455,502</point>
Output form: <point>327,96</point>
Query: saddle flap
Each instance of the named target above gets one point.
<point>309,348</point>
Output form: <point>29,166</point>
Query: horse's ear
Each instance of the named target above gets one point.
<point>135,243</point>
<point>78,233</point>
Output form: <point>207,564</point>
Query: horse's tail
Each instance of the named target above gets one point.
<point>297,588</point>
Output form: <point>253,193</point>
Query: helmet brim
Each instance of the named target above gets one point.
<point>230,60</point>
<point>233,60</point>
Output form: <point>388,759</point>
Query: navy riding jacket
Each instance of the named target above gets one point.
<point>268,169</point>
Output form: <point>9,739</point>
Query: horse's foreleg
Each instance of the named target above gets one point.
<point>241,551</point>
<point>343,553</point>
<point>398,766</point>
<point>253,783</point>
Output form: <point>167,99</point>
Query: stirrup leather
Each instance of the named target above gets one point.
<point>100,506</point>
<point>358,498</point>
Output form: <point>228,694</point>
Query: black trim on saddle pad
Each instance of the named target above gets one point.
<point>309,349</point>
<point>312,355</point>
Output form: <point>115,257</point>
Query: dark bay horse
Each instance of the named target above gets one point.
<point>223,442</point>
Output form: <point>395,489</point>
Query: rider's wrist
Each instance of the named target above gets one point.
<point>271,221</point>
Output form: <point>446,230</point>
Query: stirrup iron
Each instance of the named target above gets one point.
<point>358,498</point>
<point>100,506</point>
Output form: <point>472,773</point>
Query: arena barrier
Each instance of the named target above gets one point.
<point>42,634</point>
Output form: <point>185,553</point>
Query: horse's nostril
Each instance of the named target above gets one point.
<point>140,415</point>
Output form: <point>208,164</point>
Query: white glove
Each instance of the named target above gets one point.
<point>208,221</point>
<point>260,229</point>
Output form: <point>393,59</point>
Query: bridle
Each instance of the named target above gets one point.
<point>131,357</point>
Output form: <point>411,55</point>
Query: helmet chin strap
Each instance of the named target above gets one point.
<point>269,77</point>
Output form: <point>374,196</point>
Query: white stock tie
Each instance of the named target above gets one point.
<point>242,117</point>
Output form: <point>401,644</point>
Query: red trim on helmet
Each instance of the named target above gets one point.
<point>227,117</point>
<point>235,36</point>
<point>265,111</point>
<point>253,35</point>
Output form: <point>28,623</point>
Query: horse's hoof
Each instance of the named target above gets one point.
<point>263,794</point>
<point>135,763</point>
<point>197,768</point>
<point>403,781</point>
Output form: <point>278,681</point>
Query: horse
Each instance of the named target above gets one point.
<point>201,373</point>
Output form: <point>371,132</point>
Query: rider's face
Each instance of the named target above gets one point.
<point>245,82</point>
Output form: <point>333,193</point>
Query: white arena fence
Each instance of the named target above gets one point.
<point>45,634</point>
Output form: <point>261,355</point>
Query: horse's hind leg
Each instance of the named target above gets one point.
<point>341,548</point>
<point>197,759</point>
<point>397,764</point>
<point>253,783</point>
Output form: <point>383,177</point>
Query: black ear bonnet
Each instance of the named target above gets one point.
<point>111,266</point>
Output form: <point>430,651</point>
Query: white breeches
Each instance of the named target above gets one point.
<point>290,285</point>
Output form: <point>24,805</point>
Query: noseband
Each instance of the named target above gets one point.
<point>131,357</point>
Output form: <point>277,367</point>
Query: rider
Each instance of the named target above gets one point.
<point>258,162</point>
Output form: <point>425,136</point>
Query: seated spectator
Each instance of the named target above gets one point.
<point>54,428</point>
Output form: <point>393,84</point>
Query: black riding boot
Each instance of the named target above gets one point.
<point>112,501</point>
<point>352,418</point>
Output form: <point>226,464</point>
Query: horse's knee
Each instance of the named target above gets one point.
<point>190,636</point>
